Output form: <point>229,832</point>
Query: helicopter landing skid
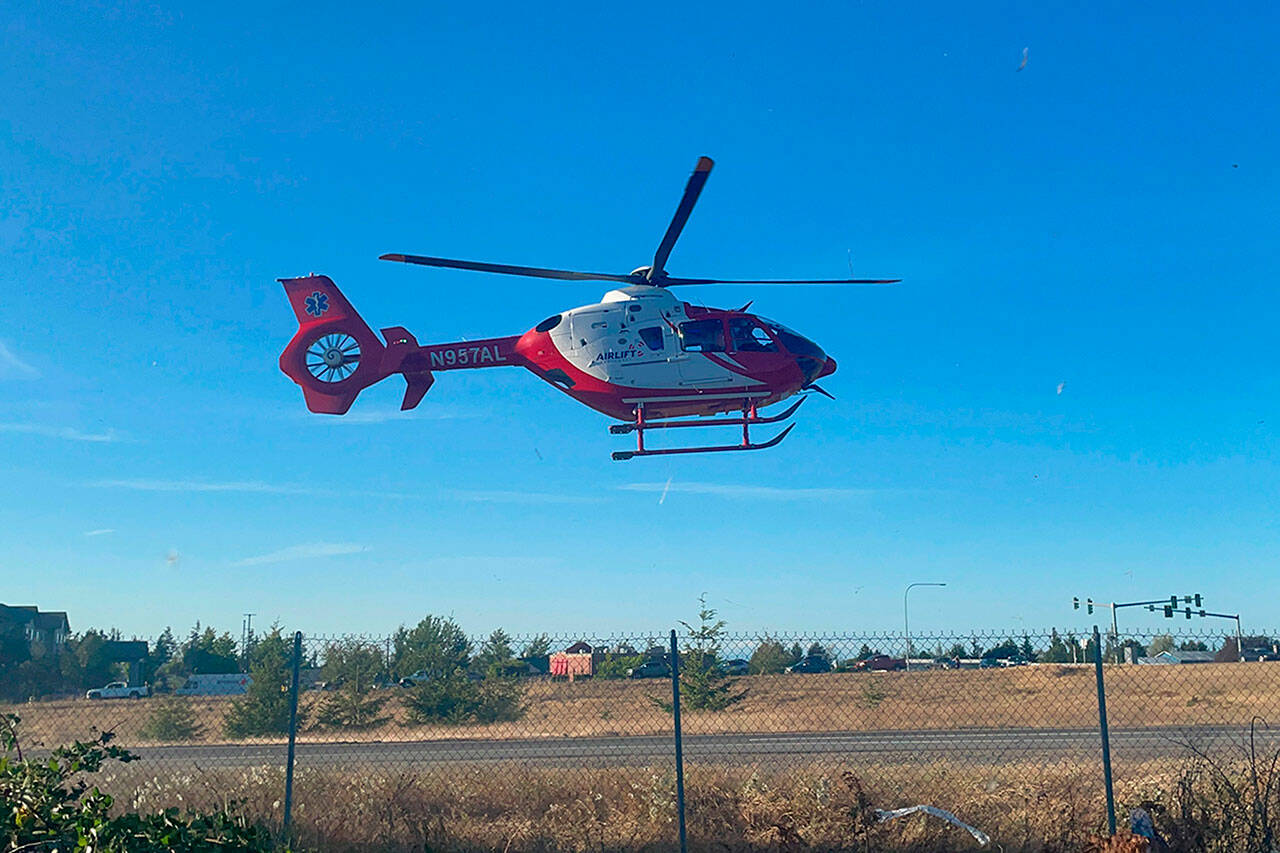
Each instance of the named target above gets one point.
<point>749,418</point>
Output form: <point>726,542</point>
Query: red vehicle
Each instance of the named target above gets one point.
<point>640,355</point>
<point>880,663</point>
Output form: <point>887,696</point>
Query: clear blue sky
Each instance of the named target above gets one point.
<point>1106,217</point>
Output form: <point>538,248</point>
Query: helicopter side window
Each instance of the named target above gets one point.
<point>702,336</point>
<point>652,337</point>
<point>748,337</point>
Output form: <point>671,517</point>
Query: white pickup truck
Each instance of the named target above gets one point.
<point>117,690</point>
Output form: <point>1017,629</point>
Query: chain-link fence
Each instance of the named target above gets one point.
<point>427,739</point>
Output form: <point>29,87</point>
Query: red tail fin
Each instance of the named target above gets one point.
<point>334,355</point>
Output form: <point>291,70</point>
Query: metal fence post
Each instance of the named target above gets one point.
<point>675,706</point>
<point>1106,734</point>
<point>293,733</point>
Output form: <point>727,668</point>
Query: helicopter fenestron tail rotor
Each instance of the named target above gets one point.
<point>654,275</point>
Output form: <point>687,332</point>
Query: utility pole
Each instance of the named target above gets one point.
<point>246,635</point>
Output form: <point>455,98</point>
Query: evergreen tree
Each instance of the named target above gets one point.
<point>436,646</point>
<point>207,652</point>
<point>163,649</point>
<point>539,646</point>
<point>769,658</point>
<point>494,652</point>
<point>1058,652</point>
<point>264,709</point>
<point>703,687</point>
<point>173,719</point>
<point>1004,651</point>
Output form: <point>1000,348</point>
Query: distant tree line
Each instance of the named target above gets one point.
<point>457,681</point>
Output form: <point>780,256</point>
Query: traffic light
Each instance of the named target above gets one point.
<point>1188,612</point>
<point>1168,612</point>
<point>1197,599</point>
<point>1075,603</point>
<point>1089,604</point>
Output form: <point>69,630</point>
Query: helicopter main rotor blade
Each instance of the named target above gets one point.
<point>508,269</point>
<point>668,282</point>
<point>691,192</point>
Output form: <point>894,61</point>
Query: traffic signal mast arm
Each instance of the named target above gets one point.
<point>1170,604</point>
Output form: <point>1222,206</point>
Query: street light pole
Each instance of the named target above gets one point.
<point>906,623</point>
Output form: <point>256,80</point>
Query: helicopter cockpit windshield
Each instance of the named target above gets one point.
<point>795,343</point>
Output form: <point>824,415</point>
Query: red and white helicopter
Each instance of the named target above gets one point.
<point>639,355</point>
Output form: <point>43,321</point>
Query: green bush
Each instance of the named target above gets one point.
<point>173,719</point>
<point>617,665</point>
<point>455,698</point>
<point>500,700</point>
<point>48,805</point>
<point>770,658</point>
<point>348,708</point>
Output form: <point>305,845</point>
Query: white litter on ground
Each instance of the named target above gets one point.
<point>978,834</point>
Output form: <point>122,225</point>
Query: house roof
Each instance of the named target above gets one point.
<point>1191,657</point>
<point>23,615</point>
<point>1178,656</point>
<point>54,620</point>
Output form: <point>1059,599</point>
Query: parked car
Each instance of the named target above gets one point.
<point>990,663</point>
<point>737,666</point>
<point>422,676</point>
<point>117,690</point>
<point>413,679</point>
<point>650,669</point>
<point>811,663</point>
<point>880,663</point>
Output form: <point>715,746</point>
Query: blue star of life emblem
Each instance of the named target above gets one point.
<point>317,303</point>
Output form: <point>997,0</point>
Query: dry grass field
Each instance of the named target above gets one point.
<point>1026,808</point>
<point>1044,696</point>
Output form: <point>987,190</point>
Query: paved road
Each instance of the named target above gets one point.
<point>979,746</point>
